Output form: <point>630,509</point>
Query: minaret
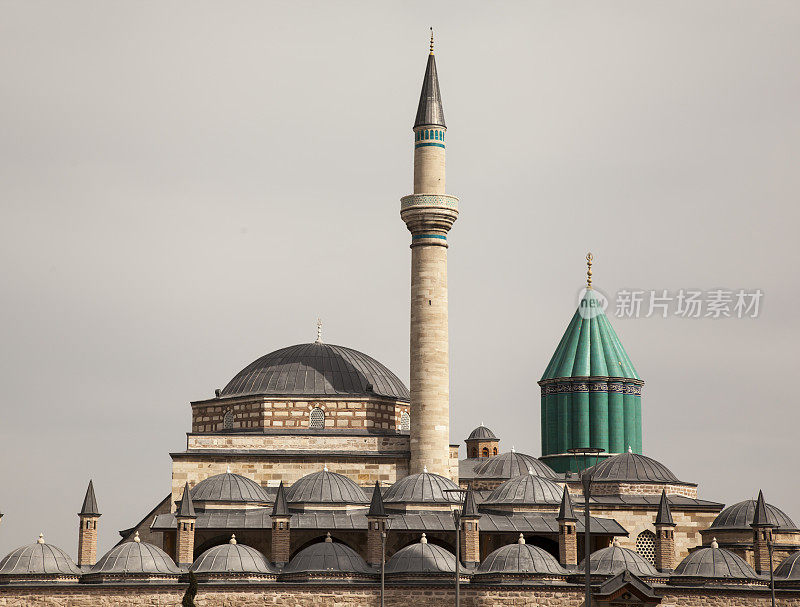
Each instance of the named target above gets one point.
<point>429,214</point>
<point>87,534</point>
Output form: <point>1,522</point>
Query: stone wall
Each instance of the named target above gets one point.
<point>293,595</point>
<point>267,412</point>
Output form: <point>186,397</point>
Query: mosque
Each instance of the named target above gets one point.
<point>316,477</point>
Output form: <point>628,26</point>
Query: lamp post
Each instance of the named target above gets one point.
<point>457,520</point>
<point>771,574</point>
<point>586,481</point>
<point>383,565</point>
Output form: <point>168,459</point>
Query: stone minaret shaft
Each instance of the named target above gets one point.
<point>429,214</point>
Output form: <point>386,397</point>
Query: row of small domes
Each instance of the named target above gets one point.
<point>422,558</point>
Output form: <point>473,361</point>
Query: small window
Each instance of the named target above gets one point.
<point>646,546</point>
<point>494,452</point>
<point>405,422</point>
<point>227,421</point>
<point>317,418</point>
<point>485,452</point>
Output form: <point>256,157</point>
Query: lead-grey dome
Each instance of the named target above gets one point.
<point>233,558</point>
<point>38,560</point>
<point>789,569</point>
<point>424,487</point>
<point>422,558</point>
<point>229,487</point>
<point>632,467</point>
<point>525,489</point>
<point>614,559</point>
<point>740,516</point>
<point>325,487</point>
<point>136,558</point>
<point>327,557</point>
<point>316,369</point>
<point>511,464</point>
<point>481,433</point>
<point>713,562</point>
<point>520,558</point>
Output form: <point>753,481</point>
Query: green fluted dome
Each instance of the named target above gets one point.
<point>590,346</point>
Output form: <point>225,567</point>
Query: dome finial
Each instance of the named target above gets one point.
<point>512,449</point>
<point>41,539</point>
<point>431,41</point>
<point>714,543</point>
<point>589,258</point>
<point>233,539</point>
<point>521,539</point>
<point>423,539</point>
<point>328,537</point>
<point>615,543</point>
<point>425,469</point>
<point>228,470</point>
<point>325,468</point>
<point>530,470</point>
<point>629,449</point>
<point>136,538</point>
<point>319,330</point>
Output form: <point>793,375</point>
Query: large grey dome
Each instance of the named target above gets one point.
<point>325,487</point>
<point>632,467</point>
<point>713,562</point>
<point>614,559</point>
<point>789,569</point>
<point>511,464</point>
<point>422,558</point>
<point>316,369</point>
<point>232,558</point>
<point>740,516</point>
<point>37,560</point>
<point>424,487</point>
<point>229,487</point>
<point>327,557</point>
<point>521,558</point>
<point>136,558</point>
<point>525,489</point>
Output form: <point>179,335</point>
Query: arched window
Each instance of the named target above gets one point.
<point>646,545</point>
<point>227,420</point>
<point>494,452</point>
<point>485,452</point>
<point>405,422</point>
<point>427,134</point>
<point>316,419</point>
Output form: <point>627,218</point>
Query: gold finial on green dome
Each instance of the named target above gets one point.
<point>431,41</point>
<point>589,258</point>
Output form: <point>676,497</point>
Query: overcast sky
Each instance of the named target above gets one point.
<point>186,186</point>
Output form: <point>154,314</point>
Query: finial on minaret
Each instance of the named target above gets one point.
<point>589,258</point>
<point>431,41</point>
<point>319,330</point>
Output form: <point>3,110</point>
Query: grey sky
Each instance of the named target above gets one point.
<point>186,186</point>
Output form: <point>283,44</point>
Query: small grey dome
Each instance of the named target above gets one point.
<point>789,569</point>
<point>327,557</point>
<point>614,559</point>
<point>740,517</point>
<point>229,487</point>
<point>325,487</point>
<point>632,467</point>
<point>422,558</point>
<point>713,563</point>
<point>36,560</point>
<point>525,489</point>
<point>481,433</point>
<point>316,369</point>
<point>232,558</point>
<point>136,557</point>
<point>424,487</point>
<point>521,558</point>
<point>511,464</point>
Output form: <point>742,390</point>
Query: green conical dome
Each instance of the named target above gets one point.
<point>590,346</point>
<point>591,393</point>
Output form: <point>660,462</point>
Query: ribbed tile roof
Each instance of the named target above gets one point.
<point>511,464</point>
<point>481,433</point>
<point>136,557</point>
<point>525,489</point>
<point>316,369</point>
<point>590,346</point>
<point>232,558</point>
<point>421,558</point>
<point>789,569</point>
<point>740,516</point>
<point>713,563</point>
<point>229,487</point>
<point>632,467</point>
<point>614,560</point>
<point>327,557</point>
<point>521,558</point>
<point>424,487</point>
<point>38,559</point>
<point>325,487</point>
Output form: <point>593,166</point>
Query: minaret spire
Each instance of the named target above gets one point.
<point>589,258</point>
<point>429,214</point>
